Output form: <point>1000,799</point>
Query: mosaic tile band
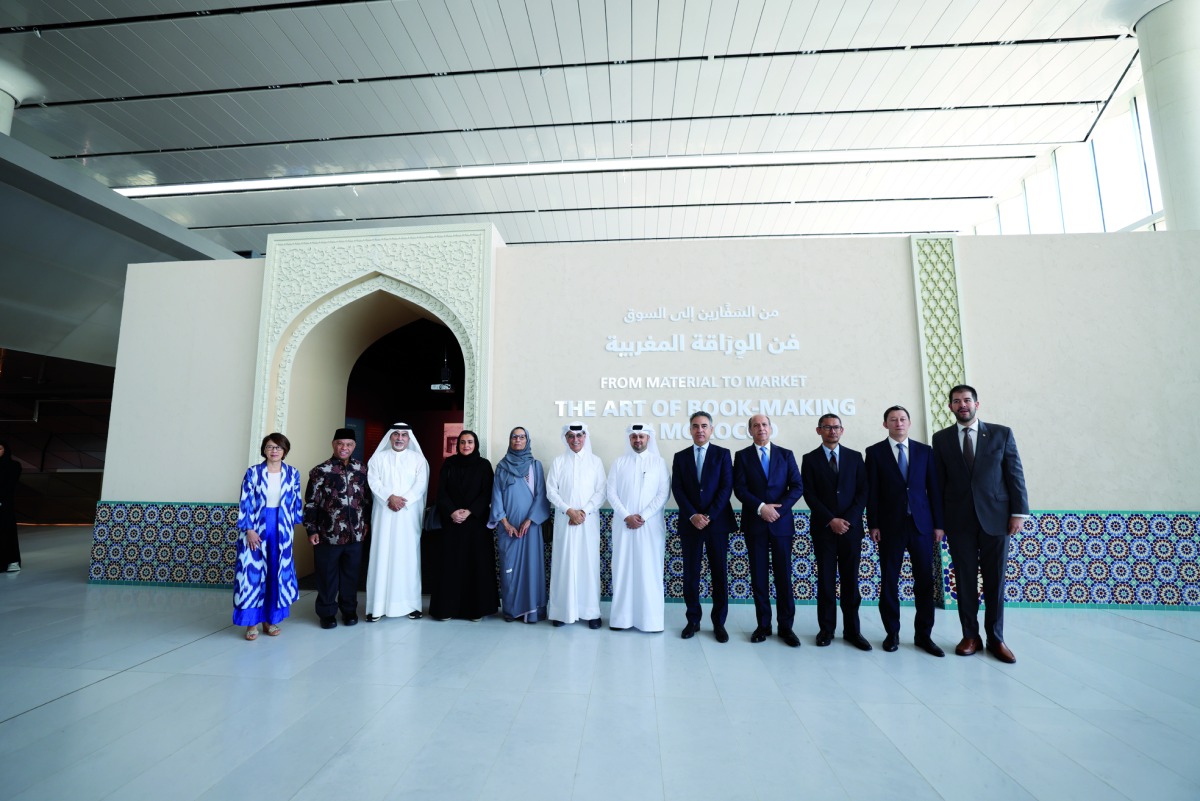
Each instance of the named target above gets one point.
<point>1089,558</point>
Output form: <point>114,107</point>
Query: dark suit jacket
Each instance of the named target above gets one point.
<point>783,486</point>
<point>707,497</point>
<point>889,497</point>
<point>993,491</point>
<point>829,496</point>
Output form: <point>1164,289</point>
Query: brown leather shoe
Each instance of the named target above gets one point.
<point>1001,652</point>
<point>969,645</point>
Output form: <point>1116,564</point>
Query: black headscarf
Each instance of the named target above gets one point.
<point>466,482</point>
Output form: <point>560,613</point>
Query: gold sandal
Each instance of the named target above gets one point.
<point>252,632</point>
<point>272,630</point>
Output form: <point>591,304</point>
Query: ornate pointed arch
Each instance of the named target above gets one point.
<point>444,270</point>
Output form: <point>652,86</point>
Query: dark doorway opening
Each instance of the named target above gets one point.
<point>393,382</point>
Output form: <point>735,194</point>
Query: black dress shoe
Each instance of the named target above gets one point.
<point>858,641</point>
<point>929,646</point>
<point>823,639</point>
<point>556,623</point>
<point>720,633</point>
<point>618,628</point>
<point>891,642</point>
<point>350,620</point>
<point>329,622</point>
<point>760,635</point>
<point>789,637</point>
<point>374,618</point>
<point>415,615</point>
<point>594,623</point>
<point>689,631</point>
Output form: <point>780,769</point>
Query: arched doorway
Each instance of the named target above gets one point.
<point>399,378</point>
<point>328,297</point>
<point>366,336</point>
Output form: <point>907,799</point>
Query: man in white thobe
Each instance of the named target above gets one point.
<point>575,488</point>
<point>638,486</point>
<point>398,476</point>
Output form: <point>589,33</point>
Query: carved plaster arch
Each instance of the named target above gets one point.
<point>446,270</point>
<point>346,297</point>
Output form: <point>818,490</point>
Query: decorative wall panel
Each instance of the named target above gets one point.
<point>1059,558</point>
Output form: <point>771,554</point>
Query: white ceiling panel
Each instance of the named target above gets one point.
<point>618,23</point>
<point>417,31</point>
<point>360,86</point>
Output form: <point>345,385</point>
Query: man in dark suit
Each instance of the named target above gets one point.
<point>835,489</point>
<point>767,481</point>
<point>904,512</point>
<point>984,485</point>
<point>702,482</point>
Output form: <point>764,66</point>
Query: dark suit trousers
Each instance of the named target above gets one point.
<point>892,545</point>
<point>336,568</point>
<point>762,545</point>
<point>717,544</point>
<point>976,552</point>
<point>837,555</point>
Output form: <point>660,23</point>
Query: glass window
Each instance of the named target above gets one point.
<point>1041,198</point>
<point>1077,187</point>
<point>1124,196</point>
<point>1014,219</point>
<point>988,227</point>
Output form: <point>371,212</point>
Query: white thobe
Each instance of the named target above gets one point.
<point>575,481</point>
<point>638,484</point>
<point>394,574</point>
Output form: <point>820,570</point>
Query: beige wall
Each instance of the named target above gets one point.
<point>849,303</point>
<point>1087,346</point>
<point>1069,340</point>
<point>184,380</point>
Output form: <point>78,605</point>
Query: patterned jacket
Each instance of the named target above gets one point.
<point>337,505</point>
<point>250,579</point>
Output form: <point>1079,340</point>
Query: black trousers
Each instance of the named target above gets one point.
<point>892,545</point>
<point>761,547</point>
<point>717,544</point>
<point>336,568</point>
<point>976,552</point>
<point>837,557</point>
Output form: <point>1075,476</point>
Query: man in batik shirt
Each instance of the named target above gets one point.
<point>336,511</point>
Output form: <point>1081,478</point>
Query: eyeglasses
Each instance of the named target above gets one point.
<point>273,448</point>
<point>830,428</point>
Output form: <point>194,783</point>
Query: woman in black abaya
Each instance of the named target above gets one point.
<point>464,569</point>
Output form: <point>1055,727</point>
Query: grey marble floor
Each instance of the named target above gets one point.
<point>142,692</point>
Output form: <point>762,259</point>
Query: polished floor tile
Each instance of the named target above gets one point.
<point>131,692</point>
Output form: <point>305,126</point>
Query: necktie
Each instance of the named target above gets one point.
<point>766,460</point>
<point>699,461</point>
<point>968,449</point>
<point>903,462</point>
<point>833,462</point>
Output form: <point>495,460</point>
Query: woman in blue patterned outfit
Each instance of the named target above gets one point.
<point>271,507</point>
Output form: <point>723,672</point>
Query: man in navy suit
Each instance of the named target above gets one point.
<point>904,512</point>
<point>767,482</point>
<point>980,470</point>
<point>835,489</point>
<point>702,482</point>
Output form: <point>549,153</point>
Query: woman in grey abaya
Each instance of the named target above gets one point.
<point>519,507</point>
